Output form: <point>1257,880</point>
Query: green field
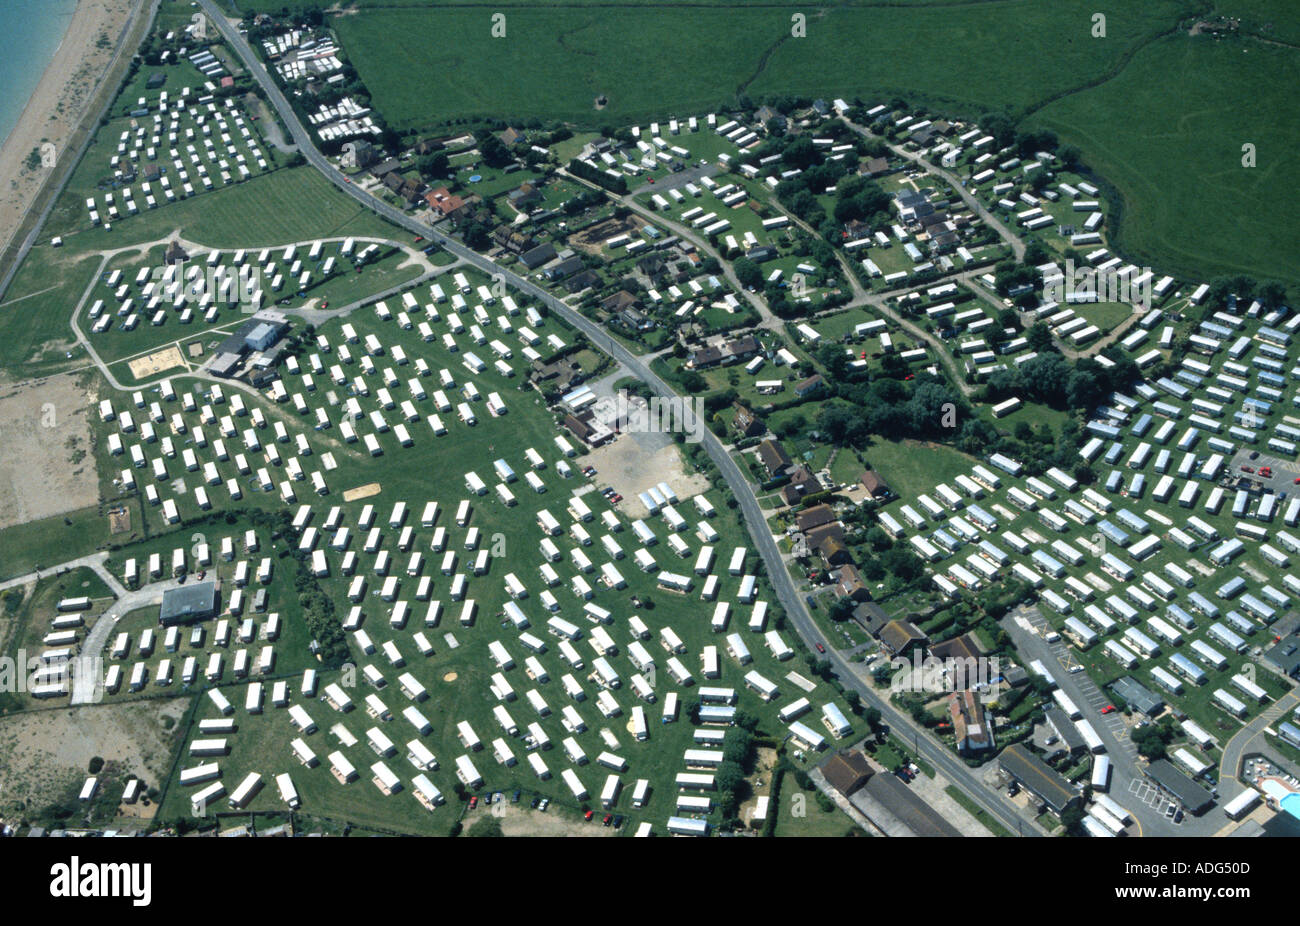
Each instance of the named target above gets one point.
<point>285,206</point>
<point>1175,155</point>
<point>1155,111</point>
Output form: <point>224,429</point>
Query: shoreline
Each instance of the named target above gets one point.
<point>59,104</point>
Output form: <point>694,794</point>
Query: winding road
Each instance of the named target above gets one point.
<point>851,674</point>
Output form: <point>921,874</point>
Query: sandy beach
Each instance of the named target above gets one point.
<point>59,103</point>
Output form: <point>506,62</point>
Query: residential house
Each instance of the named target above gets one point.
<point>774,458</point>
<point>536,256</point>
<point>849,583</point>
<point>847,772</point>
<point>899,636</point>
<point>810,385</point>
<point>875,486</point>
<point>971,726</point>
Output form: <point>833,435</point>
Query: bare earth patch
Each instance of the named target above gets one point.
<point>47,467</point>
<point>450,677</point>
<point>520,820</point>
<point>151,364</point>
<point>40,751</point>
<point>366,491</point>
<point>628,467</point>
<point>119,520</point>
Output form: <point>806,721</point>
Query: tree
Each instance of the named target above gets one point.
<point>493,149</point>
<point>1072,820</point>
<point>1000,126</point>
<point>433,165</point>
<point>873,718</point>
<point>842,610</point>
<point>853,700</point>
<point>749,273</point>
<point>1070,156</point>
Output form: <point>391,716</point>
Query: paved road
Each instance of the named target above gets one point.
<point>94,561</point>
<point>87,687</point>
<point>1010,237</point>
<point>1249,739</point>
<point>791,601</point>
<point>1128,785</point>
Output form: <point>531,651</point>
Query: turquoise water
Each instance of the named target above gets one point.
<point>30,34</point>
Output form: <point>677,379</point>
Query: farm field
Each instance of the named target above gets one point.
<point>1050,66</point>
<point>1177,162</point>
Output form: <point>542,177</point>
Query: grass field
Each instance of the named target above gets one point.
<point>285,206</point>
<point>1161,116</point>
<point>1175,155</point>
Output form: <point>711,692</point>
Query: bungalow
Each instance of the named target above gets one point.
<point>802,483</point>
<point>587,429</point>
<point>1036,777</point>
<point>525,195</point>
<point>970,723</point>
<point>513,241</point>
<point>619,301</point>
<point>410,191</point>
<point>770,119</point>
<point>963,648</point>
<point>814,517</point>
<point>443,201</point>
<point>383,168</point>
<point>636,320</point>
<point>732,351</point>
<point>580,281</point>
<point>899,636</point>
<point>850,584</point>
<point>871,617</point>
<point>875,486</point>
<point>847,772</point>
<point>511,137</point>
<point>827,542</point>
<point>809,386</point>
<point>774,459</point>
<point>564,269</point>
<point>536,256</point>
<point>875,167</point>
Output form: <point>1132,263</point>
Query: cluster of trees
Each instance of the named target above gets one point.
<point>585,170</point>
<point>433,166</point>
<point>492,149</point>
<point>737,762</point>
<point>1052,380</point>
<point>1152,739</point>
<point>1038,449</point>
<point>927,407</point>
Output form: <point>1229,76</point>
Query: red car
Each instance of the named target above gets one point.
<point>616,498</point>
<point>588,815</point>
<point>1266,470</point>
<point>608,819</point>
<point>1248,469</point>
<point>651,180</point>
<point>820,648</point>
<point>473,802</point>
<point>1108,709</point>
